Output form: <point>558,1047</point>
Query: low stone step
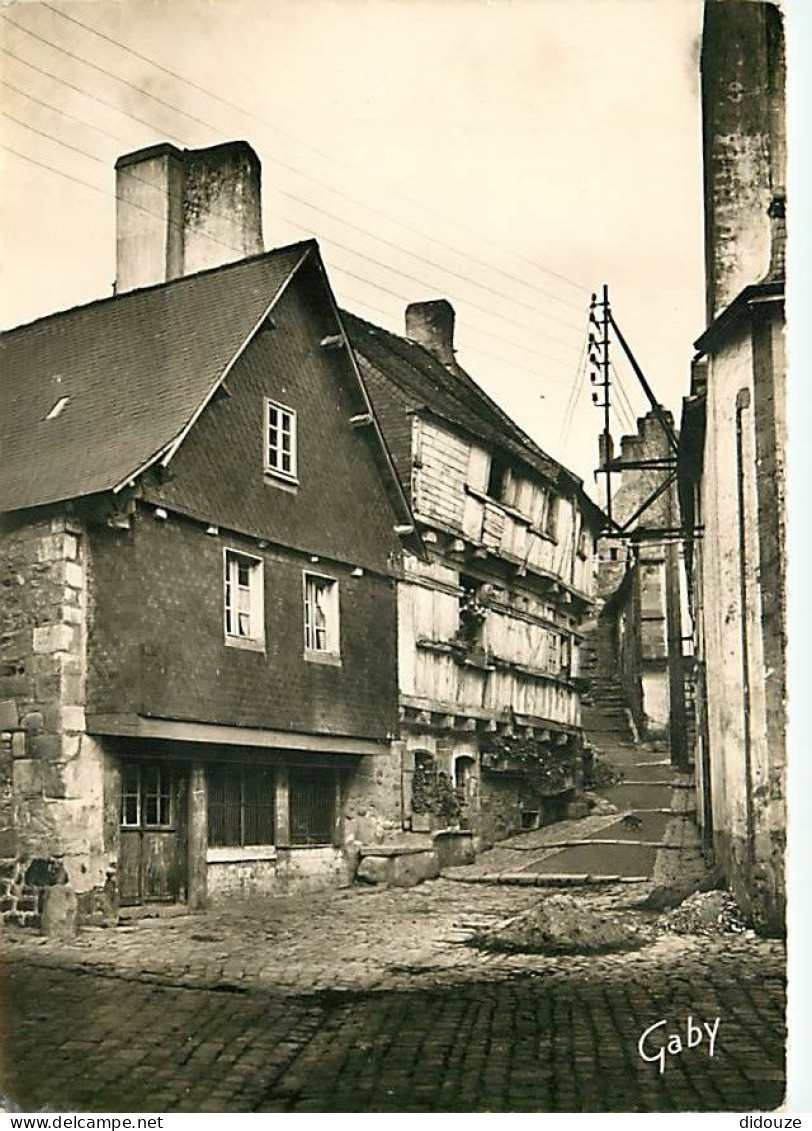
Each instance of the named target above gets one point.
<point>541,879</point>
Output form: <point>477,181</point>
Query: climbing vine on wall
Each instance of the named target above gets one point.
<point>432,792</point>
<point>552,766</point>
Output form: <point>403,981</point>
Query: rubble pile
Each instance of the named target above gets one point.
<point>705,913</point>
<point>560,925</point>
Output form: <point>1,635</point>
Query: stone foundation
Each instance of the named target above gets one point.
<point>23,883</point>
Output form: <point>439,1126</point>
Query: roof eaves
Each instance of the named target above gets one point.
<point>770,291</point>
<point>356,368</point>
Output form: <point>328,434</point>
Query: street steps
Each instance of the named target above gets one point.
<point>625,848</point>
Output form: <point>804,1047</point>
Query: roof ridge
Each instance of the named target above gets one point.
<point>151,287</point>
<point>503,423</point>
<point>461,375</point>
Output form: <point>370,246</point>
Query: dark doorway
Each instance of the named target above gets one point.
<point>152,866</point>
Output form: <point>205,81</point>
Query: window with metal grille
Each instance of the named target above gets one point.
<point>321,614</point>
<point>243,599</point>
<point>280,440</point>
<point>312,806</point>
<point>241,805</point>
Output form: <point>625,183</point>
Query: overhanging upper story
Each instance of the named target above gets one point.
<point>480,489</point>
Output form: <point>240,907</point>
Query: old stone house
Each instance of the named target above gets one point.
<point>732,459</point>
<point>489,621</point>
<point>199,525</point>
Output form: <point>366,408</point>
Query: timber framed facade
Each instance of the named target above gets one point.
<point>489,619</point>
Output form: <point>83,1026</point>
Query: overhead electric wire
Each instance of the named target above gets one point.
<point>320,153</point>
<point>87,94</point>
<point>623,397</point>
<point>576,391</point>
<point>230,247</point>
<point>448,270</point>
<point>322,211</point>
<point>56,110</point>
<point>106,192</point>
<point>327,239</point>
<point>573,393</point>
<point>471,348</point>
<point>470,326</point>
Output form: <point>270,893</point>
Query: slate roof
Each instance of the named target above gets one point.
<point>424,384</point>
<point>135,369</point>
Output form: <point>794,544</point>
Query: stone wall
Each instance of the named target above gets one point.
<point>372,798</point>
<point>500,807</point>
<point>51,772</point>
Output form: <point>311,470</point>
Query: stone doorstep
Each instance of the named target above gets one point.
<point>394,849</point>
<point>154,911</point>
<point>635,781</point>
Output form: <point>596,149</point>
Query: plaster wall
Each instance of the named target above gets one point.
<point>747,761</point>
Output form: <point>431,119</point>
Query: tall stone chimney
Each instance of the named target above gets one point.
<point>431,324</point>
<point>744,147</point>
<point>180,211</point>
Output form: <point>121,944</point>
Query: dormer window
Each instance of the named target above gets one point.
<point>57,408</point>
<point>280,440</point>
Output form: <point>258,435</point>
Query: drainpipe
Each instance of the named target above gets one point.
<point>742,403</point>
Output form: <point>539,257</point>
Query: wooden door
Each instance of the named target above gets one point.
<point>152,855</point>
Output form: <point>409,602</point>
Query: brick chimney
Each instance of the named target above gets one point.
<point>180,211</point>
<point>431,324</point>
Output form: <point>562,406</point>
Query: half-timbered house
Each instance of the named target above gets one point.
<point>489,621</point>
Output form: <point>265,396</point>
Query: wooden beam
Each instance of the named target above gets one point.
<point>140,726</point>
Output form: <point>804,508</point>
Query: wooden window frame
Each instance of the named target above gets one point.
<point>164,793</point>
<point>254,639</point>
<point>329,785</point>
<point>275,453</point>
<point>244,843</point>
<point>331,651</point>
<point>552,516</point>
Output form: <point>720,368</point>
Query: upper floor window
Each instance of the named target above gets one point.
<point>551,517</point>
<point>586,543</point>
<point>243,600</point>
<point>498,477</point>
<point>321,615</point>
<point>280,440</point>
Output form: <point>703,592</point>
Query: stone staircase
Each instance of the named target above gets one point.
<point>643,841</point>
<point>627,846</point>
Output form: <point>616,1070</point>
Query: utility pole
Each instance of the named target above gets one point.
<point>663,535</point>
<point>599,376</point>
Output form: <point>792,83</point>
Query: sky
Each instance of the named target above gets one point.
<point>511,156</point>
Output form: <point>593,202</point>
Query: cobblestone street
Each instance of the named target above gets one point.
<point>370,1000</point>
